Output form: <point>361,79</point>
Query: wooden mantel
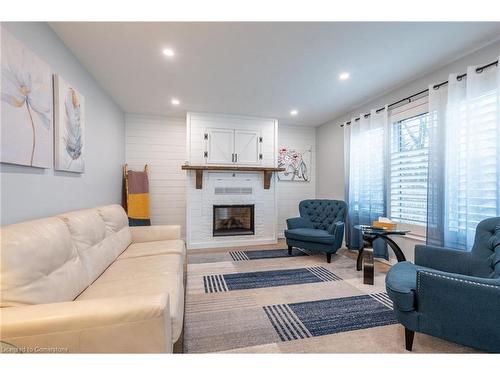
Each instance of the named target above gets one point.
<point>267,171</point>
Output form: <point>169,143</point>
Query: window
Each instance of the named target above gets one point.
<point>409,148</point>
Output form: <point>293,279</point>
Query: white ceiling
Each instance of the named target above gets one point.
<point>263,69</point>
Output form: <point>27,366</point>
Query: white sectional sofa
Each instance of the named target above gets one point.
<point>86,282</point>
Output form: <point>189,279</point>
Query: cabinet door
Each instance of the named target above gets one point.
<point>246,147</point>
<point>220,146</point>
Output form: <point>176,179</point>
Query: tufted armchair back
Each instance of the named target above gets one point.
<point>486,250</point>
<point>322,213</point>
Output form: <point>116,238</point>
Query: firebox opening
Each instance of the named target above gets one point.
<point>233,220</point>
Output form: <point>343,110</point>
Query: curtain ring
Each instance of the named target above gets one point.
<point>436,87</point>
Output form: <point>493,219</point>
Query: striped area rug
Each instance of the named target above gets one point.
<point>317,318</point>
<point>267,279</point>
<point>293,304</point>
<point>265,254</point>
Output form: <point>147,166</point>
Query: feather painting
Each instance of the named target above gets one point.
<point>69,127</point>
<point>73,136</point>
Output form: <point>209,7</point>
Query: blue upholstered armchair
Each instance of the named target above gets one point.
<point>452,294</point>
<point>320,226</point>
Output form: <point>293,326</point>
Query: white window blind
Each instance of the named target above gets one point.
<point>475,164</point>
<point>408,170</point>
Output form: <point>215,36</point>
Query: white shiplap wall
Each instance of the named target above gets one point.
<point>160,142</point>
<point>291,193</point>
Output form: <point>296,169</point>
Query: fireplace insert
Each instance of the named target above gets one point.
<point>233,220</point>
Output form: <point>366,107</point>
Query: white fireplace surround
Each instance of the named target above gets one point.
<point>230,188</point>
<point>199,226</point>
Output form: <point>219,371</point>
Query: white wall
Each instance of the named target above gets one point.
<point>330,161</point>
<point>291,193</point>
<point>160,142</point>
<point>329,137</point>
<point>29,193</point>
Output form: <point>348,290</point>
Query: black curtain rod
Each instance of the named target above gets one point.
<point>435,87</point>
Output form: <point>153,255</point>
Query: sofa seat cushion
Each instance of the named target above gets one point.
<point>401,284</point>
<point>310,235</point>
<point>136,268</point>
<point>142,249</point>
<point>144,276</point>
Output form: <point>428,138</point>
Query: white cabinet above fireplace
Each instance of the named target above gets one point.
<point>247,147</point>
<point>229,140</point>
<point>219,145</point>
<point>232,146</point>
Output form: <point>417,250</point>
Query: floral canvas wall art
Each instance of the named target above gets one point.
<point>297,164</point>
<point>26,106</point>
<point>69,127</point>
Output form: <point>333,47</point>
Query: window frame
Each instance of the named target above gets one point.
<point>407,111</point>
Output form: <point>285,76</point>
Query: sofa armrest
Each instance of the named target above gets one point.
<point>110,325</point>
<point>443,259</point>
<point>336,227</point>
<point>455,285</point>
<point>337,230</point>
<point>461,308</point>
<point>155,233</point>
<point>298,222</point>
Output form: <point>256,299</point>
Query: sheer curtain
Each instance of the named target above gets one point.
<point>464,157</point>
<point>366,165</point>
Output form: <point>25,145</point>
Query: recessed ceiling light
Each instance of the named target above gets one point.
<point>175,101</point>
<point>168,52</point>
<point>294,112</point>
<point>343,76</point>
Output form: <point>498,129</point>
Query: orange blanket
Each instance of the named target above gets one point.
<point>137,191</point>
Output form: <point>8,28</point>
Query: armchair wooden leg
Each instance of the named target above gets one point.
<point>289,250</point>
<point>328,257</point>
<point>409,335</point>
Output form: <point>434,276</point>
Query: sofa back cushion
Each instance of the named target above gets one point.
<point>100,235</point>
<point>322,213</point>
<point>39,264</point>
<point>118,233</point>
<point>56,258</point>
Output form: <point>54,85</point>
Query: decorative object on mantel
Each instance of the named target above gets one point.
<point>69,127</point>
<point>137,196</point>
<point>267,171</point>
<point>26,106</point>
<point>296,164</point>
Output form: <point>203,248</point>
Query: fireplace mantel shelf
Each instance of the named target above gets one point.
<point>267,171</point>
